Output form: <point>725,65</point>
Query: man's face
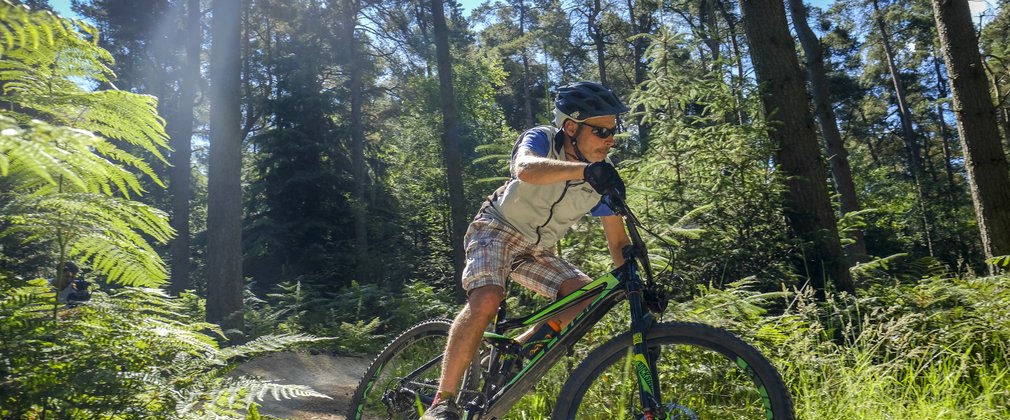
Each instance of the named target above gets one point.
<point>592,146</point>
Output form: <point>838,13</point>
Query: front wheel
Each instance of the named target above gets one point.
<point>703,373</point>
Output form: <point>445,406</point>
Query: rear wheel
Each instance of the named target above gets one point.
<point>403,378</point>
<point>703,373</point>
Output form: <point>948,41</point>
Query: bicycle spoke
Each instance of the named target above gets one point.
<point>703,373</point>
<point>406,381</point>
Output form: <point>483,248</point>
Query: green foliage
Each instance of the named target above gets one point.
<point>360,318</point>
<point>67,186</point>
<point>380,314</point>
<point>900,267</point>
<point>1001,261</point>
<point>411,144</point>
<point>935,348</point>
<point>706,178</point>
<point>133,354</point>
<point>42,79</point>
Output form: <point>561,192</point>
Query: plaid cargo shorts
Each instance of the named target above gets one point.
<point>491,249</point>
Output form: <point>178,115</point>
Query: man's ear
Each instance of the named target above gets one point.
<point>570,127</point>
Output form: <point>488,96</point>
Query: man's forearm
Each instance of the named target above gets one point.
<point>538,170</point>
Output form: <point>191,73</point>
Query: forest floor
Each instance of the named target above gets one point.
<point>331,375</point>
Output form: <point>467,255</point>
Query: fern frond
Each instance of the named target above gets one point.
<point>110,232</point>
<point>20,27</point>
<point>689,217</point>
<point>1000,261</point>
<point>27,307</point>
<point>269,343</point>
<point>43,78</point>
<point>250,389</point>
<point>41,155</point>
<point>198,342</point>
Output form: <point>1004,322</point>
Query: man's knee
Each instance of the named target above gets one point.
<point>483,301</point>
<point>571,285</point>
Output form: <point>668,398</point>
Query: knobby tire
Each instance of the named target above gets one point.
<point>704,373</point>
<point>415,347</point>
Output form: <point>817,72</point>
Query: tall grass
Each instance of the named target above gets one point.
<point>933,348</point>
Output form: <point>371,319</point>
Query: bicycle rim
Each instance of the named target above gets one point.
<point>704,373</point>
<point>402,380</point>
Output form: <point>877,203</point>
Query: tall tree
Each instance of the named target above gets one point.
<point>642,15</point>
<point>513,33</point>
<point>181,133</point>
<point>224,186</point>
<point>300,221</point>
<point>524,56</point>
<point>904,112</point>
<point>807,205</point>
<point>838,157</point>
<point>976,124</point>
<point>353,63</point>
<point>995,43</point>
<point>450,136</point>
<point>596,33</point>
<point>941,95</point>
<point>905,115</point>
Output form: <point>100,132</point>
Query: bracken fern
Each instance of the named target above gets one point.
<point>66,180</point>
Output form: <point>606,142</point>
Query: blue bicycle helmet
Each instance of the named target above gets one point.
<point>583,100</point>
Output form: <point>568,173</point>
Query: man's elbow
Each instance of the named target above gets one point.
<point>524,173</point>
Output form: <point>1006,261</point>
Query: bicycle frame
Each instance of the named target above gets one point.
<point>624,282</point>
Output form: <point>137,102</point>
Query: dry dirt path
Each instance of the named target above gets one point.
<point>334,376</point>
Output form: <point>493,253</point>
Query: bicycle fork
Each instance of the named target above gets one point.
<point>644,360</point>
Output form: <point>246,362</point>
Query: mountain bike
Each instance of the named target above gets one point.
<point>654,370</point>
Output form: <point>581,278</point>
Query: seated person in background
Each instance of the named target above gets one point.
<point>74,290</point>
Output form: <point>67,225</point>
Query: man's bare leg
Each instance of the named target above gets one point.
<point>465,335</point>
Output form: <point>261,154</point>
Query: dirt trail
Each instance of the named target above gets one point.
<point>330,375</point>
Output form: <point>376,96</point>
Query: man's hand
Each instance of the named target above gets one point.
<point>604,178</point>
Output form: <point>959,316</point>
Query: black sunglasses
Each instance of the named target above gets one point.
<point>602,132</point>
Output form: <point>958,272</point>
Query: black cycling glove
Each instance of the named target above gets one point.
<point>604,178</point>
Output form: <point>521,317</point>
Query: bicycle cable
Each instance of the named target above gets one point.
<point>620,206</point>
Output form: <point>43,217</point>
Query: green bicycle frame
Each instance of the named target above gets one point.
<point>605,292</point>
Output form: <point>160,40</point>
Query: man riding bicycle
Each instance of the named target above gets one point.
<point>559,173</point>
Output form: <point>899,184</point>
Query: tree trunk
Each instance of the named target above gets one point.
<point>224,188</point>
<point>1002,108</point>
<point>598,40</point>
<point>984,158</point>
<point>450,139</point>
<point>527,92</point>
<point>642,21</point>
<point>911,144</point>
<point>807,205</point>
<point>941,93</point>
<point>182,135</point>
<point>709,29</point>
<point>737,80</point>
<point>356,91</point>
<point>908,133</point>
<point>838,157</point>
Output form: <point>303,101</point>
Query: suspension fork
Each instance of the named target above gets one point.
<point>643,361</point>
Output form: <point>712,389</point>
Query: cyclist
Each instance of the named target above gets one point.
<point>559,173</point>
